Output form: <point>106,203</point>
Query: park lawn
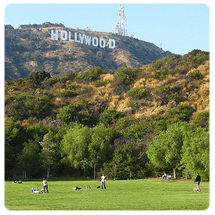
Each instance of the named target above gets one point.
<point>146,194</point>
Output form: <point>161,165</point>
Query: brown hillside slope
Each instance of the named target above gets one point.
<point>30,48</point>
<point>176,86</point>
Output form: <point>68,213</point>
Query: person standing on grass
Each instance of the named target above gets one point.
<point>103,181</point>
<point>45,185</point>
<point>197,179</point>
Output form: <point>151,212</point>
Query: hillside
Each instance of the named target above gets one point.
<point>30,48</point>
<point>167,83</point>
<point>105,114</point>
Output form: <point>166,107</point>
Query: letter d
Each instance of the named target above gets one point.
<point>111,43</point>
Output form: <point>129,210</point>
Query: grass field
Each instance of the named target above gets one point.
<point>147,194</point>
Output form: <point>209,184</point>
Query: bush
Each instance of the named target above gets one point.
<point>136,130</point>
<point>92,75</point>
<point>180,113</point>
<point>75,113</point>
<point>24,106</point>
<point>111,116</point>
<point>63,79</point>
<point>124,76</point>
<point>137,93</point>
<point>51,81</point>
<point>202,119</point>
<point>195,75</point>
<point>38,77</point>
<point>100,83</point>
<point>68,93</point>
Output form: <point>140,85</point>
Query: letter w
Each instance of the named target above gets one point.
<point>87,40</point>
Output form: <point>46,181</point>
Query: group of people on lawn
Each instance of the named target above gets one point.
<point>197,179</point>
<point>103,180</point>
<point>45,185</point>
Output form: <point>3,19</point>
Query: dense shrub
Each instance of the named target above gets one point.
<point>100,83</point>
<point>136,92</point>
<point>51,81</point>
<point>38,77</point>
<point>24,106</point>
<point>136,130</point>
<point>63,79</point>
<point>92,75</point>
<point>111,116</point>
<point>68,93</point>
<point>76,113</point>
<point>202,119</point>
<point>180,113</point>
<point>195,75</point>
<point>124,76</point>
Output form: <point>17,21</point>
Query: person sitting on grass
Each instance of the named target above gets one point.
<point>164,175</point>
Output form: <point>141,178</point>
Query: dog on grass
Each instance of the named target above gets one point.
<point>76,188</point>
<point>98,187</point>
<point>88,187</point>
<point>196,189</point>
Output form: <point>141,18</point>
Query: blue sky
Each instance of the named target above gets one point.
<point>179,28</point>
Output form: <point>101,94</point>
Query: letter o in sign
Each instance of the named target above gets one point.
<point>95,41</point>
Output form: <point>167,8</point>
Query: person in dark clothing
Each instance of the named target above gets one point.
<point>197,179</point>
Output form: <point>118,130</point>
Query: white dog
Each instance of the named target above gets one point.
<point>196,189</point>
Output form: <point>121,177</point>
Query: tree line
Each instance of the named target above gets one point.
<point>74,148</point>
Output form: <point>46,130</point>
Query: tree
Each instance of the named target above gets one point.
<point>29,159</point>
<point>37,131</point>
<point>181,146</point>
<point>75,146</point>
<point>14,137</point>
<point>48,152</point>
<point>165,150</point>
<point>129,160</point>
<point>196,152</point>
<point>100,150</point>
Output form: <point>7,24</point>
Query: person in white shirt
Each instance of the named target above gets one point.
<point>103,181</point>
<point>45,185</point>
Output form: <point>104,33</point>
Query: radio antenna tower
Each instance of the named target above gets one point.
<point>120,27</point>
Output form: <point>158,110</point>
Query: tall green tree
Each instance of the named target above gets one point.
<point>48,152</point>
<point>196,152</point>
<point>181,146</point>
<point>15,136</point>
<point>165,151</point>
<point>130,161</point>
<point>29,159</point>
<point>100,150</point>
<point>75,146</point>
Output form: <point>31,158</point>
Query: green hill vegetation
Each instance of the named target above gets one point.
<point>146,120</point>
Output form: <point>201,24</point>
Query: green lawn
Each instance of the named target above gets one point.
<point>147,194</point>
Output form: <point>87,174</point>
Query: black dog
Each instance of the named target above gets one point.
<point>98,187</point>
<point>77,188</point>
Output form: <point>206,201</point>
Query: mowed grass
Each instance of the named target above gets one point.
<point>146,194</point>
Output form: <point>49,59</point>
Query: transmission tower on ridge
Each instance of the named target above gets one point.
<point>120,27</point>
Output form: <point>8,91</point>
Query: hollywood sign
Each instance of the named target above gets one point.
<point>82,38</point>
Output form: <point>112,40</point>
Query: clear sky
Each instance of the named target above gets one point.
<point>179,28</point>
